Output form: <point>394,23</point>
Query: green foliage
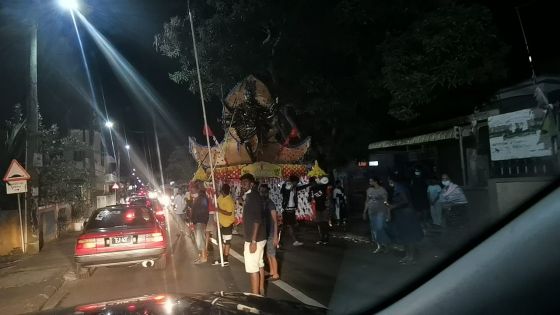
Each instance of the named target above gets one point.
<point>61,179</point>
<point>450,48</point>
<point>180,165</point>
<point>351,71</point>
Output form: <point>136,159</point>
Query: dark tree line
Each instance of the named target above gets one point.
<point>349,71</point>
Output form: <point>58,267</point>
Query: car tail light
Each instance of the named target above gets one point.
<point>160,212</point>
<point>154,237</point>
<point>86,246</point>
<point>130,215</point>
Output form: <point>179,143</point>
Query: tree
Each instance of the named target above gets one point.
<point>180,165</point>
<point>61,179</point>
<point>451,48</point>
<point>335,65</point>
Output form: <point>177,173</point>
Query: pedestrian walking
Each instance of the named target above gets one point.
<point>226,217</point>
<point>340,204</point>
<point>318,192</point>
<point>434,191</point>
<point>254,234</point>
<point>404,221</point>
<point>180,205</point>
<point>271,223</point>
<point>378,214</point>
<point>289,192</point>
<point>200,219</point>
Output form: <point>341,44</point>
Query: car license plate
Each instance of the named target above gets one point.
<point>121,240</point>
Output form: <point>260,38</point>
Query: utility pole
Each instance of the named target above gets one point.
<point>32,140</point>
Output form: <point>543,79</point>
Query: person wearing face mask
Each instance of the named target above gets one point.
<point>289,192</point>
<point>453,201</point>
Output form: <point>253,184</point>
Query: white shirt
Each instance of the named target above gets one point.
<point>291,202</point>
<point>179,204</point>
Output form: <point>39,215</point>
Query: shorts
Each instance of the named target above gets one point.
<point>226,233</point>
<point>270,248</point>
<point>254,261</point>
<point>211,225</point>
<point>289,217</point>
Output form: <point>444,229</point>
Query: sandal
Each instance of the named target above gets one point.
<point>272,278</point>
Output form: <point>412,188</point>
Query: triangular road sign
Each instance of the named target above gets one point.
<point>16,172</point>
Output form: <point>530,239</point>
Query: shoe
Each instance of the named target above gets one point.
<point>318,243</point>
<point>216,263</point>
<point>378,250</point>
<point>297,243</point>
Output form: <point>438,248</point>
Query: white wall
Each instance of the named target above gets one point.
<point>507,194</point>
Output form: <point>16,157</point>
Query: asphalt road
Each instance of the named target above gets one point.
<point>344,276</point>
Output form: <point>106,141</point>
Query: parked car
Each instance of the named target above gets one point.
<point>121,235</point>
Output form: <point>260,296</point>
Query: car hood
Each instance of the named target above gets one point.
<point>207,303</point>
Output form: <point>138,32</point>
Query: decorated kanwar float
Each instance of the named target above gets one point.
<point>253,143</point>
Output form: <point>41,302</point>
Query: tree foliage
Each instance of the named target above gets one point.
<point>180,165</point>
<point>450,48</point>
<point>351,71</point>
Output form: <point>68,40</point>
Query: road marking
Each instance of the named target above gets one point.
<point>300,296</point>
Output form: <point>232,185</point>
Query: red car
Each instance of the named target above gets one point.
<point>121,235</point>
<point>152,204</point>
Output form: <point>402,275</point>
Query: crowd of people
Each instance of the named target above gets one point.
<point>263,223</point>
<point>399,212</point>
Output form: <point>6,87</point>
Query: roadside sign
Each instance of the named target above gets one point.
<point>16,187</point>
<point>38,160</point>
<point>116,186</point>
<point>16,172</point>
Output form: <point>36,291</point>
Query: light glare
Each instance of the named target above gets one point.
<point>69,4</point>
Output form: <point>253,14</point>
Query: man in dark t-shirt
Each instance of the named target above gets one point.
<point>254,234</point>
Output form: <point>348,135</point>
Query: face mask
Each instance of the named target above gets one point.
<point>417,173</point>
<point>445,182</point>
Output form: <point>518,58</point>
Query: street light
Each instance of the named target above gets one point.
<point>109,124</point>
<point>70,5</point>
<point>127,146</point>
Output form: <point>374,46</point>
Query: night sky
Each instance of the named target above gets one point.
<point>130,25</point>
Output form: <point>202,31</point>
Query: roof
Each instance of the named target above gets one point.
<point>428,137</point>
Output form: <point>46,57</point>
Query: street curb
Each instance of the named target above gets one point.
<point>50,290</point>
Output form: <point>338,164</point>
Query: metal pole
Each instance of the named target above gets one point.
<point>159,155</point>
<point>534,77</point>
<point>33,122</point>
<point>25,200</point>
<point>463,172</point>
<point>207,139</point>
<point>20,224</point>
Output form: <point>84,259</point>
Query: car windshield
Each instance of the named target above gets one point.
<point>120,217</point>
<point>333,153</point>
